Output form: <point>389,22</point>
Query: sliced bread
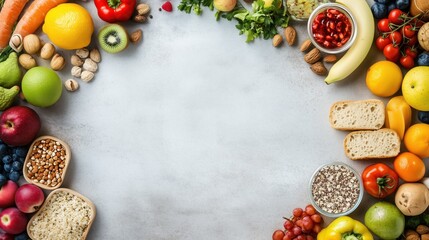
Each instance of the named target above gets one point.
<point>357,115</point>
<point>382,143</point>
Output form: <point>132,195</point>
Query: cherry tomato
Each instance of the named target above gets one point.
<point>381,42</point>
<point>392,52</point>
<point>412,41</point>
<point>396,37</point>
<point>278,235</point>
<point>383,25</point>
<point>408,31</point>
<point>395,16</point>
<point>409,167</point>
<point>407,61</point>
<point>379,180</point>
<point>410,51</point>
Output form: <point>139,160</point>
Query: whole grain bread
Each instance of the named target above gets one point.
<point>357,115</point>
<point>382,143</point>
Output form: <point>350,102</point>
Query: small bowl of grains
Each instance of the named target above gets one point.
<point>47,162</point>
<point>336,189</point>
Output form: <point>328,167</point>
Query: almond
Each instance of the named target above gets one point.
<point>319,69</point>
<point>313,56</point>
<point>305,45</point>
<point>277,40</point>
<point>290,35</point>
<point>330,58</point>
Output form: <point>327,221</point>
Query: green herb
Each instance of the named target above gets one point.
<point>196,5</point>
<point>414,221</point>
<point>261,22</point>
<point>4,54</point>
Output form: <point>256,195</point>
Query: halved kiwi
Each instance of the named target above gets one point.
<point>113,38</point>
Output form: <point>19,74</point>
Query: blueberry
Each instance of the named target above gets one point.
<point>423,59</point>
<point>3,149</point>
<point>379,10</point>
<point>17,166</point>
<point>403,4</point>
<point>7,167</point>
<point>391,6</point>
<point>14,176</point>
<point>423,116</point>
<point>21,160</point>
<point>3,179</point>
<point>22,236</point>
<point>21,151</point>
<point>385,2</point>
<point>7,159</point>
<point>15,157</point>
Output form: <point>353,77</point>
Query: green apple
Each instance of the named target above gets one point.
<point>415,88</point>
<point>41,86</point>
<point>385,220</point>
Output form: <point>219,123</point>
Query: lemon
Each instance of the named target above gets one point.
<point>384,78</point>
<point>69,26</point>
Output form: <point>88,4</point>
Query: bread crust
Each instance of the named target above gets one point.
<point>377,124</point>
<point>394,148</point>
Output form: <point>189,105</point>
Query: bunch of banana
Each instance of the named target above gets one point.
<point>360,48</point>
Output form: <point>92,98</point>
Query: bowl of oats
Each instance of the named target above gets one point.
<point>336,189</point>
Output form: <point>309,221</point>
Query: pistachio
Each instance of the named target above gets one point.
<point>143,9</point>
<point>16,42</point>
<point>136,36</point>
<point>90,65</point>
<point>31,44</point>
<point>87,76</point>
<point>82,53</point>
<point>95,55</point>
<point>27,61</point>
<point>76,71</point>
<point>76,60</point>
<point>71,85</point>
<point>277,40</point>
<point>57,62</point>
<point>47,51</point>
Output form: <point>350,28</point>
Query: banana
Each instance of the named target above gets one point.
<point>360,48</point>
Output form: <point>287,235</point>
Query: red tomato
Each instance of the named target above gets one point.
<point>383,25</point>
<point>396,38</point>
<point>392,52</point>
<point>410,51</point>
<point>381,42</point>
<point>412,41</point>
<point>408,31</point>
<point>396,16</point>
<point>379,180</point>
<point>407,61</point>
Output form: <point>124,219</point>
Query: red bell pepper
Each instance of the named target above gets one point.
<point>379,180</point>
<point>115,10</point>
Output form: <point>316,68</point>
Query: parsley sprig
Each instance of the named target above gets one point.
<point>260,22</point>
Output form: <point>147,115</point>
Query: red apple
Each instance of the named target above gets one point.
<point>19,125</point>
<point>13,221</point>
<point>29,198</point>
<point>5,236</point>
<point>7,194</point>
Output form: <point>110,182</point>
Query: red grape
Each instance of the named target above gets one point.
<point>288,225</point>
<point>278,235</point>
<point>309,237</point>
<point>290,235</point>
<point>310,210</point>
<point>298,223</point>
<point>317,228</point>
<point>307,223</point>
<point>301,237</point>
<point>316,218</point>
<point>296,230</point>
<point>297,212</point>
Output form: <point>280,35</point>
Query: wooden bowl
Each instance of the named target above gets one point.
<point>54,200</point>
<point>51,163</point>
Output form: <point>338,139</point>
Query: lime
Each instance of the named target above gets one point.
<point>41,86</point>
<point>69,26</point>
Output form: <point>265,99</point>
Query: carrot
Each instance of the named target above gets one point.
<point>31,20</point>
<point>8,16</point>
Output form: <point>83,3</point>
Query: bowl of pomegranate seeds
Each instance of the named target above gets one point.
<point>332,28</point>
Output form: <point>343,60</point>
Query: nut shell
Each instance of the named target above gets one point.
<point>313,56</point>
<point>47,51</point>
<point>423,36</point>
<point>290,35</point>
<point>31,44</point>
<point>27,61</point>
<point>277,40</point>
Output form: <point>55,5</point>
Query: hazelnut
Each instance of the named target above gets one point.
<point>57,62</point>
<point>27,61</point>
<point>47,51</point>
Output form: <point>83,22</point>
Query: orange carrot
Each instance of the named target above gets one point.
<point>8,16</point>
<point>31,20</point>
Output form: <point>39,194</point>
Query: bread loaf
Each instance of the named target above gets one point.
<point>357,115</point>
<point>382,143</point>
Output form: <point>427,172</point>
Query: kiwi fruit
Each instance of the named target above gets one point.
<point>113,38</point>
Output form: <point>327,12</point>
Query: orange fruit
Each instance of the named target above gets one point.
<point>409,167</point>
<point>384,78</point>
<point>416,139</point>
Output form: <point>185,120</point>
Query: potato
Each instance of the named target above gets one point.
<point>412,198</point>
<point>423,36</point>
